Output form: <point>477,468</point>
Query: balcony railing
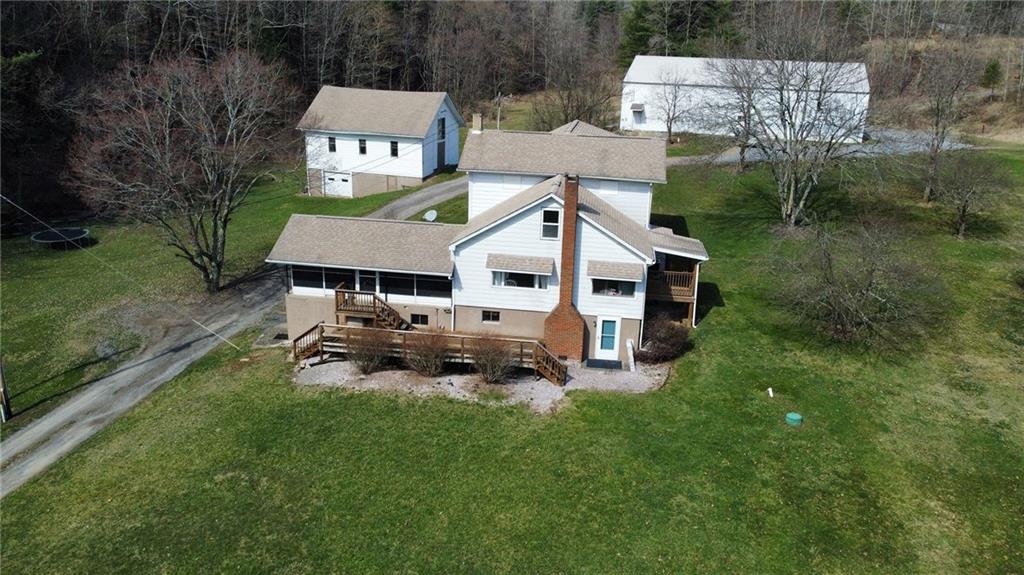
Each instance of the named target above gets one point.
<point>670,286</point>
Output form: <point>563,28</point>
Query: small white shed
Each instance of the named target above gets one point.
<point>361,142</point>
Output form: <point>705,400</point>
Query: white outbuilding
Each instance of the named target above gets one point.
<point>361,142</point>
<point>697,85</point>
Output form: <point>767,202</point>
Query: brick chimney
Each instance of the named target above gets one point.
<point>564,326</point>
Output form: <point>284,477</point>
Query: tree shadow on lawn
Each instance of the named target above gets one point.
<point>258,273</point>
<point>81,367</point>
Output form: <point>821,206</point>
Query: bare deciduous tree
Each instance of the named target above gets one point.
<point>179,144</point>
<point>969,182</point>
<point>946,74</point>
<point>853,285</point>
<point>798,113</point>
<point>670,101</point>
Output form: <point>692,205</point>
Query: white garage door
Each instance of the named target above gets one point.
<point>338,184</point>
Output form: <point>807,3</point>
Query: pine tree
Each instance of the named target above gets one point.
<point>990,77</point>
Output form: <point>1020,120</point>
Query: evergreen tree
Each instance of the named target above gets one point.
<point>990,77</point>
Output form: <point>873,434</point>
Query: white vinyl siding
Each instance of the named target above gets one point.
<point>451,139</point>
<point>520,235</point>
<point>377,159</point>
<point>633,199</point>
<point>594,244</point>
<point>647,94</point>
<point>488,190</point>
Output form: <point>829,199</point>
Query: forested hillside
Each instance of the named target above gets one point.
<point>53,53</point>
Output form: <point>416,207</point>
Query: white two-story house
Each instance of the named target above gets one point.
<point>360,142</point>
<point>558,247</point>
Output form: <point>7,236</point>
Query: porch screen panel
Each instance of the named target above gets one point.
<point>307,277</point>
<point>334,277</point>
<point>430,286</point>
<point>397,284</point>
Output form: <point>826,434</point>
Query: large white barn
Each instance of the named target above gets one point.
<point>648,78</point>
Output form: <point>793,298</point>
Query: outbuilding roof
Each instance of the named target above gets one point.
<point>699,72</point>
<point>385,112</point>
<point>545,153</point>
<point>416,247</point>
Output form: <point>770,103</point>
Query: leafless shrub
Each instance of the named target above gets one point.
<point>425,351</point>
<point>664,340</point>
<point>493,359</point>
<point>853,285</point>
<point>368,348</point>
<point>968,182</point>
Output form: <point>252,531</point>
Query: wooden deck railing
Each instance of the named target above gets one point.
<point>528,353</point>
<point>308,343</point>
<point>549,366</point>
<point>670,285</point>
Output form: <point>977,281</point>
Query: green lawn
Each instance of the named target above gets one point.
<point>453,211</point>
<point>59,307</point>
<point>697,145</point>
<point>908,462</point>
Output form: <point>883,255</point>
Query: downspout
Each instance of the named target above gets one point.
<point>693,307</point>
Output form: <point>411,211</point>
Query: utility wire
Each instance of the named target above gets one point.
<point>112,268</point>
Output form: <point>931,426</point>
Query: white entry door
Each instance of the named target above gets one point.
<point>607,344</point>
<point>338,184</point>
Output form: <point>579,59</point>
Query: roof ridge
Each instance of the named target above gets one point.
<point>610,136</point>
<point>381,220</point>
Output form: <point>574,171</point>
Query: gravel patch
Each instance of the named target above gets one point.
<point>539,395</point>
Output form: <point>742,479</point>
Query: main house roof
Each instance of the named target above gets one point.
<point>385,112</point>
<point>547,153</point>
<point>590,207</point>
<point>581,128</point>
<point>699,71</point>
<point>365,243</point>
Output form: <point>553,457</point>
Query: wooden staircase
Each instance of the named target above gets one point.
<point>368,304</point>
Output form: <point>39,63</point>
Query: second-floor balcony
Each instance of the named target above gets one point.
<point>671,286</point>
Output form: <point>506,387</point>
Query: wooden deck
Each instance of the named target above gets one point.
<point>670,286</point>
<point>324,339</point>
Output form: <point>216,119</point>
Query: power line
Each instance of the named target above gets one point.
<point>117,271</point>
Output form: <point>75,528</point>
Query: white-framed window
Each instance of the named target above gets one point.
<point>420,319</point>
<point>550,227</point>
<point>519,280</point>
<point>617,288</point>
<point>441,133</point>
<point>490,316</point>
<point>394,149</point>
<point>362,147</point>
<point>332,146</point>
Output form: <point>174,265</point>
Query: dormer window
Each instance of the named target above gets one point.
<point>550,223</point>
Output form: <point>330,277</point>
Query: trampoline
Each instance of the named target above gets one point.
<point>62,237</point>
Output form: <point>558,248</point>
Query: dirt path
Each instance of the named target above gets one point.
<point>173,343</point>
<point>408,206</point>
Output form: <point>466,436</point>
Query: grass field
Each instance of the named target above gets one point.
<point>63,311</point>
<point>697,145</point>
<point>453,211</point>
<point>908,462</point>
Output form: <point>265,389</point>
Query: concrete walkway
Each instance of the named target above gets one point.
<point>408,206</point>
<point>173,343</point>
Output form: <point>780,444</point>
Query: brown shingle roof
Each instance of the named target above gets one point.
<point>615,270</point>
<point>613,157</point>
<point>387,112</point>
<point>365,243</point>
<point>525,264</point>
<point>581,128</point>
<point>590,206</point>
<point>663,239</point>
